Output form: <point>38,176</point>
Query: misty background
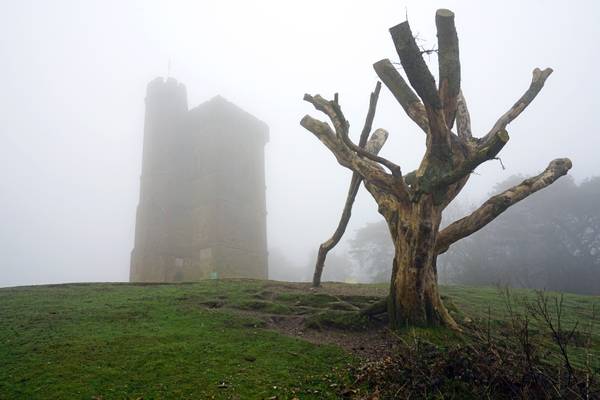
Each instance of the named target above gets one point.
<point>72,109</point>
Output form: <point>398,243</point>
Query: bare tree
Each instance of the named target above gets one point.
<point>412,203</point>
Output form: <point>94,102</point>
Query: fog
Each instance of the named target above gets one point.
<point>72,108</point>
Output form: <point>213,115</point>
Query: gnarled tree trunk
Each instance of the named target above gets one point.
<point>412,204</point>
<point>414,297</point>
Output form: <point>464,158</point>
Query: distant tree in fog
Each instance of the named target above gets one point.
<point>551,241</point>
<point>339,268</point>
<point>281,268</point>
<point>372,250</point>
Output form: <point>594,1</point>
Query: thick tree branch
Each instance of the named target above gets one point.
<point>486,151</point>
<point>402,92</point>
<point>537,83</point>
<point>499,203</point>
<point>329,108</point>
<point>420,78</point>
<point>463,118</point>
<point>414,66</point>
<point>369,170</point>
<point>449,63</point>
<point>321,130</point>
<point>333,111</point>
<point>488,147</point>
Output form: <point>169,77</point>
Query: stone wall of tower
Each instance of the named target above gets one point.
<point>202,202</point>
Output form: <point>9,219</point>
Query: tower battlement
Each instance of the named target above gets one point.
<point>169,89</point>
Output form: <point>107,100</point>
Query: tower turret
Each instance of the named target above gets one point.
<point>166,107</point>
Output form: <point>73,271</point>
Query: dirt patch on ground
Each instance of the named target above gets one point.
<point>333,288</point>
<point>326,315</point>
<point>369,345</point>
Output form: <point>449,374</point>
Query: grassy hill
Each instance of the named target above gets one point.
<point>232,339</point>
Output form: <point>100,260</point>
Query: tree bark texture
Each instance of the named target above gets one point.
<point>412,204</point>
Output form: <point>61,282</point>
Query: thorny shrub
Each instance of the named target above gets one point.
<point>510,364</point>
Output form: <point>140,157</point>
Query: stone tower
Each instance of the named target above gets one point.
<point>202,206</point>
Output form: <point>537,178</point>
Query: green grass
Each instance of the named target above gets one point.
<point>489,305</point>
<point>338,320</point>
<point>117,341</point>
<point>183,341</point>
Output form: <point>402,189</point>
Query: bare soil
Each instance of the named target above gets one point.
<point>372,343</point>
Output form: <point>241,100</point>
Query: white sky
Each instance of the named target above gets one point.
<point>74,77</point>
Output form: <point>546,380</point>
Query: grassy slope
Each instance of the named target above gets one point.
<point>583,312</point>
<point>122,341</point>
<point>119,341</point>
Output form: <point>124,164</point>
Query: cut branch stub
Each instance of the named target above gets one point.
<point>376,141</point>
<point>420,78</point>
<point>449,63</point>
<point>413,64</point>
<point>463,118</point>
<point>318,128</point>
<point>402,92</point>
<point>394,169</point>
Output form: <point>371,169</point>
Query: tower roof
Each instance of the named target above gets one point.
<point>219,107</point>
